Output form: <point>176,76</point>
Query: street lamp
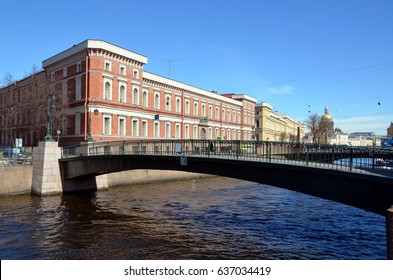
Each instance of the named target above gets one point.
<point>89,137</point>
<point>51,110</point>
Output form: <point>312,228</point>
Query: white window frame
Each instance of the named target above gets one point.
<point>156,100</point>
<point>104,132</point>
<point>121,129</point>
<point>123,70</point>
<point>156,130</point>
<point>108,65</point>
<point>135,95</point>
<point>145,98</point>
<point>177,130</point>
<point>168,103</point>
<point>186,131</point>
<point>109,81</point>
<point>195,134</point>
<point>125,92</point>
<point>135,73</point>
<point>187,106</point>
<point>145,128</point>
<point>135,127</point>
<point>178,105</point>
<point>195,108</point>
<point>168,130</point>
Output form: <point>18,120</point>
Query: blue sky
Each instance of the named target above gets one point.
<point>299,56</point>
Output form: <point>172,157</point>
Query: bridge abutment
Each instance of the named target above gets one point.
<point>46,171</point>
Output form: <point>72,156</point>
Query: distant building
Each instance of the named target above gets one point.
<point>363,139</point>
<point>339,138</point>
<point>273,126</point>
<point>389,131</point>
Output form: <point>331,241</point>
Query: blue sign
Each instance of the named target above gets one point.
<point>157,117</point>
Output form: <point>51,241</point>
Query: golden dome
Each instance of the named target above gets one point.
<point>327,116</point>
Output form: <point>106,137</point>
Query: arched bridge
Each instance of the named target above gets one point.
<point>356,180</point>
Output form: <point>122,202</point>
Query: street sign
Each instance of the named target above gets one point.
<point>18,143</point>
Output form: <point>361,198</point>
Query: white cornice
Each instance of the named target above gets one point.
<point>179,85</point>
<point>94,44</point>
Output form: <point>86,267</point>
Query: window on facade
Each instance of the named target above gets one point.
<point>195,132</point>
<point>144,99</point>
<point>234,117</point>
<point>223,115</point>
<point>156,130</point>
<point>135,97</point>
<point>168,103</point>
<point>156,101</point>
<point>122,127</point>
<point>122,70</point>
<point>177,105</point>
<point>134,127</point>
<point>210,112</point>
<point>136,74</point>
<point>187,132</point>
<point>107,93</point>
<point>107,66</point>
<point>144,128</point>
<point>122,95</point>
<point>217,115</point>
<point>78,67</point>
<point>195,108</point>
<point>107,126</point>
<point>187,107</point>
<point>177,131</point>
<point>229,115</point>
<point>167,130</point>
<point>203,110</point>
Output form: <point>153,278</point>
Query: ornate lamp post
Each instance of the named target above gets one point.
<point>89,137</point>
<point>51,110</point>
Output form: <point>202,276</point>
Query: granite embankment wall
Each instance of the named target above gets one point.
<point>17,179</point>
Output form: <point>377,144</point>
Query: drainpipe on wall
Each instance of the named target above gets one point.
<point>86,96</point>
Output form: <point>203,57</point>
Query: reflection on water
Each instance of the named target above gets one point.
<point>215,218</point>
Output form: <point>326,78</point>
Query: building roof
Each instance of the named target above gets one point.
<point>94,44</point>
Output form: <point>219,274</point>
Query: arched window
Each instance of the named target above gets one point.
<point>177,105</point>
<point>135,97</point>
<point>157,101</point>
<point>168,103</point>
<point>144,99</point>
<point>122,97</point>
<point>107,93</point>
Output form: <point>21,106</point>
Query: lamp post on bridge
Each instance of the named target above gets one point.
<point>89,137</point>
<point>51,110</point>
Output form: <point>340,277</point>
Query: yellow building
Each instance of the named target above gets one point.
<point>274,126</point>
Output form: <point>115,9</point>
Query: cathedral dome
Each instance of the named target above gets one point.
<point>327,116</point>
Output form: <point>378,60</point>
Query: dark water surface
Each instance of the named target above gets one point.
<point>214,218</point>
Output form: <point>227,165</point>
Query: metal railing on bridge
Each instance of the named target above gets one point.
<point>355,159</point>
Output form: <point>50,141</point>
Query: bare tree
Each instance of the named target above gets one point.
<point>283,136</point>
<point>8,79</point>
<point>313,123</point>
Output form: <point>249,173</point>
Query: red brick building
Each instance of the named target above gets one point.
<point>103,94</point>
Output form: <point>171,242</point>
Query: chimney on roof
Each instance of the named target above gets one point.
<point>214,91</point>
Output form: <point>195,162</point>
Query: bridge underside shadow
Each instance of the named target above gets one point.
<point>369,192</point>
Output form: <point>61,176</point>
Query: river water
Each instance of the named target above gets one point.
<point>211,218</point>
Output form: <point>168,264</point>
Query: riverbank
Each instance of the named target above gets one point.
<point>17,179</point>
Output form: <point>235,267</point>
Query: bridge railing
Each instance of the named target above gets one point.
<point>355,159</point>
